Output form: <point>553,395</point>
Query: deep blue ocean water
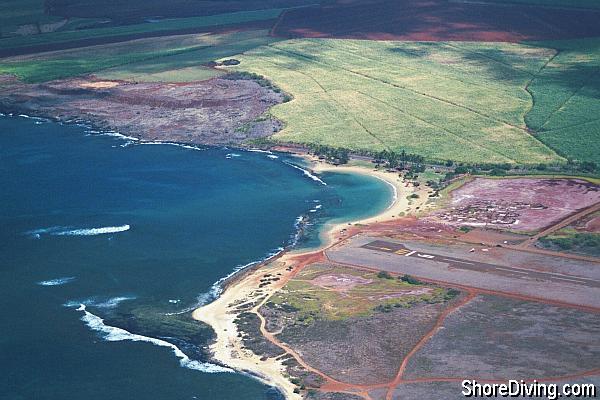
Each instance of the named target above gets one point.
<point>93,219</point>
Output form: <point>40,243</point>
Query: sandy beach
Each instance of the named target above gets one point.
<point>400,205</point>
<point>220,314</point>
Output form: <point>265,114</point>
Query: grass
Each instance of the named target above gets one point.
<point>178,58</point>
<point>144,28</point>
<point>460,101</point>
<point>188,66</point>
<point>566,111</point>
<point>311,302</point>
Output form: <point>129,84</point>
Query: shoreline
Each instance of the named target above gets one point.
<point>228,349</point>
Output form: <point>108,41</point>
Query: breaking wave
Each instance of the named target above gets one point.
<point>111,302</point>
<point>57,281</point>
<point>114,334</point>
<point>184,146</point>
<point>217,288</point>
<point>306,173</point>
<point>69,231</point>
<point>260,151</point>
<point>36,119</point>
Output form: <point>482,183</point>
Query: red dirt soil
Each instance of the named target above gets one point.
<point>536,203</point>
<point>593,225</point>
<point>438,20</point>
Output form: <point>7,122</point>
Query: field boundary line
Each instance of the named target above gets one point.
<point>530,82</point>
<point>441,100</point>
<point>356,53</point>
<point>332,99</point>
<point>460,138</point>
<point>573,94</point>
<point>423,341</point>
<point>570,126</point>
<point>509,66</point>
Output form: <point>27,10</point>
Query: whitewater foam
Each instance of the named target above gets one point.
<point>111,302</point>
<point>114,334</point>
<point>69,231</point>
<point>306,173</point>
<point>184,146</point>
<point>94,231</point>
<point>260,151</point>
<point>40,119</point>
<point>217,288</point>
<point>57,281</point>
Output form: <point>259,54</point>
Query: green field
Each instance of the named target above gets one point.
<point>176,58</point>
<point>469,102</point>
<point>566,93</point>
<point>188,66</point>
<point>461,101</point>
<point>137,29</point>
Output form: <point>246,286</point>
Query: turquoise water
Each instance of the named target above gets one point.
<point>132,231</point>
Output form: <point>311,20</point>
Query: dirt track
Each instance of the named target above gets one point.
<point>565,222</point>
<point>332,385</point>
<point>438,20</point>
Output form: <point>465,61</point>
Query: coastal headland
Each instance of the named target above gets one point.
<point>281,321</point>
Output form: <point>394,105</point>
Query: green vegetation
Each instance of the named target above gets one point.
<point>459,101</point>
<point>384,275</point>
<point>409,279</point>
<point>565,93</point>
<point>178,58</point>
<point>158,28</point>
<point>190,65</point>
<point>573,241</point>
<point>373,292</point>
<point>335,155</point>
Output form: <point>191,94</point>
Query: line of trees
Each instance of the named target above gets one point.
<point>336,155</point>
<point>393,159</point>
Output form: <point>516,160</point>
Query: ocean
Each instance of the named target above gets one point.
<point>107,244</point>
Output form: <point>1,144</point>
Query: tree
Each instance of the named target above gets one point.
<point>384,275</point>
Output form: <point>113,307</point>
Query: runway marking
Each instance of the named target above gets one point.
<point>511,270</point>
<point>482,267</point>
<point>425,256</point>
<point>569,280</point>
<point>458,261</point>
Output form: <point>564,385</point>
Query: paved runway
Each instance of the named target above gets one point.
<point>401,250</point>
